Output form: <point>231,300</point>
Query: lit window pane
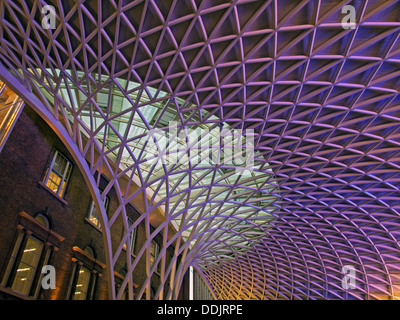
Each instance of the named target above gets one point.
<point>27,266</point>
<point>58,174</point>
<point>10,106</point>
<point>82,284</point>
<point>93,215</point>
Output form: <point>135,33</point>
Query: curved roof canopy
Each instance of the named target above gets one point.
<point>319,97</point>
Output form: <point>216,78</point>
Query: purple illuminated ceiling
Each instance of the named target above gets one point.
<point>323,101</point>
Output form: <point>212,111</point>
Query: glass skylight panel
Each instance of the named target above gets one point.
<point>190,153</point>
<point>148,112</point>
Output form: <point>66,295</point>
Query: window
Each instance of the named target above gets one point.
<point>132,236</point>
<point>27,266</point>
<point>30,254</point>
<point>10,108</point>
<point>154,251</point>
<point>57,174</point>
<point>86,271</point>
<point>42,220</point>
<point>93,215</point>
<point>82,284</point>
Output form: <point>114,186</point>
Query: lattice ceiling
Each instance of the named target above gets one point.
<point>322,100</point>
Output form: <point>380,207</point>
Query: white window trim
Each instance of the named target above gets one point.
<point>63,177</point>
<point>106,203</point>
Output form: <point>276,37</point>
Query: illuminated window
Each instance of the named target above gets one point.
<point>10,108</point>
<point>93,215</point>
<point>23,273</point>
<point>85,273</point>
<point>57,174</point>
<point>82,284</point>
<point>27,266</point>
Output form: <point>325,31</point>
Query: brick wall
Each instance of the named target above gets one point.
<point>23,162</point>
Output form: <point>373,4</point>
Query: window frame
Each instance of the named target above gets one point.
<point>21,262</point>
<point>64,177</point>
<point>88,281</point>
<point>106,203</point>
<point>28,228</point>
<point>85,259</point>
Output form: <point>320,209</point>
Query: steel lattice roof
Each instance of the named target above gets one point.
<point>322,100</point>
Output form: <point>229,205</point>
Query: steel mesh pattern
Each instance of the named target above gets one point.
<point>322,100</point>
